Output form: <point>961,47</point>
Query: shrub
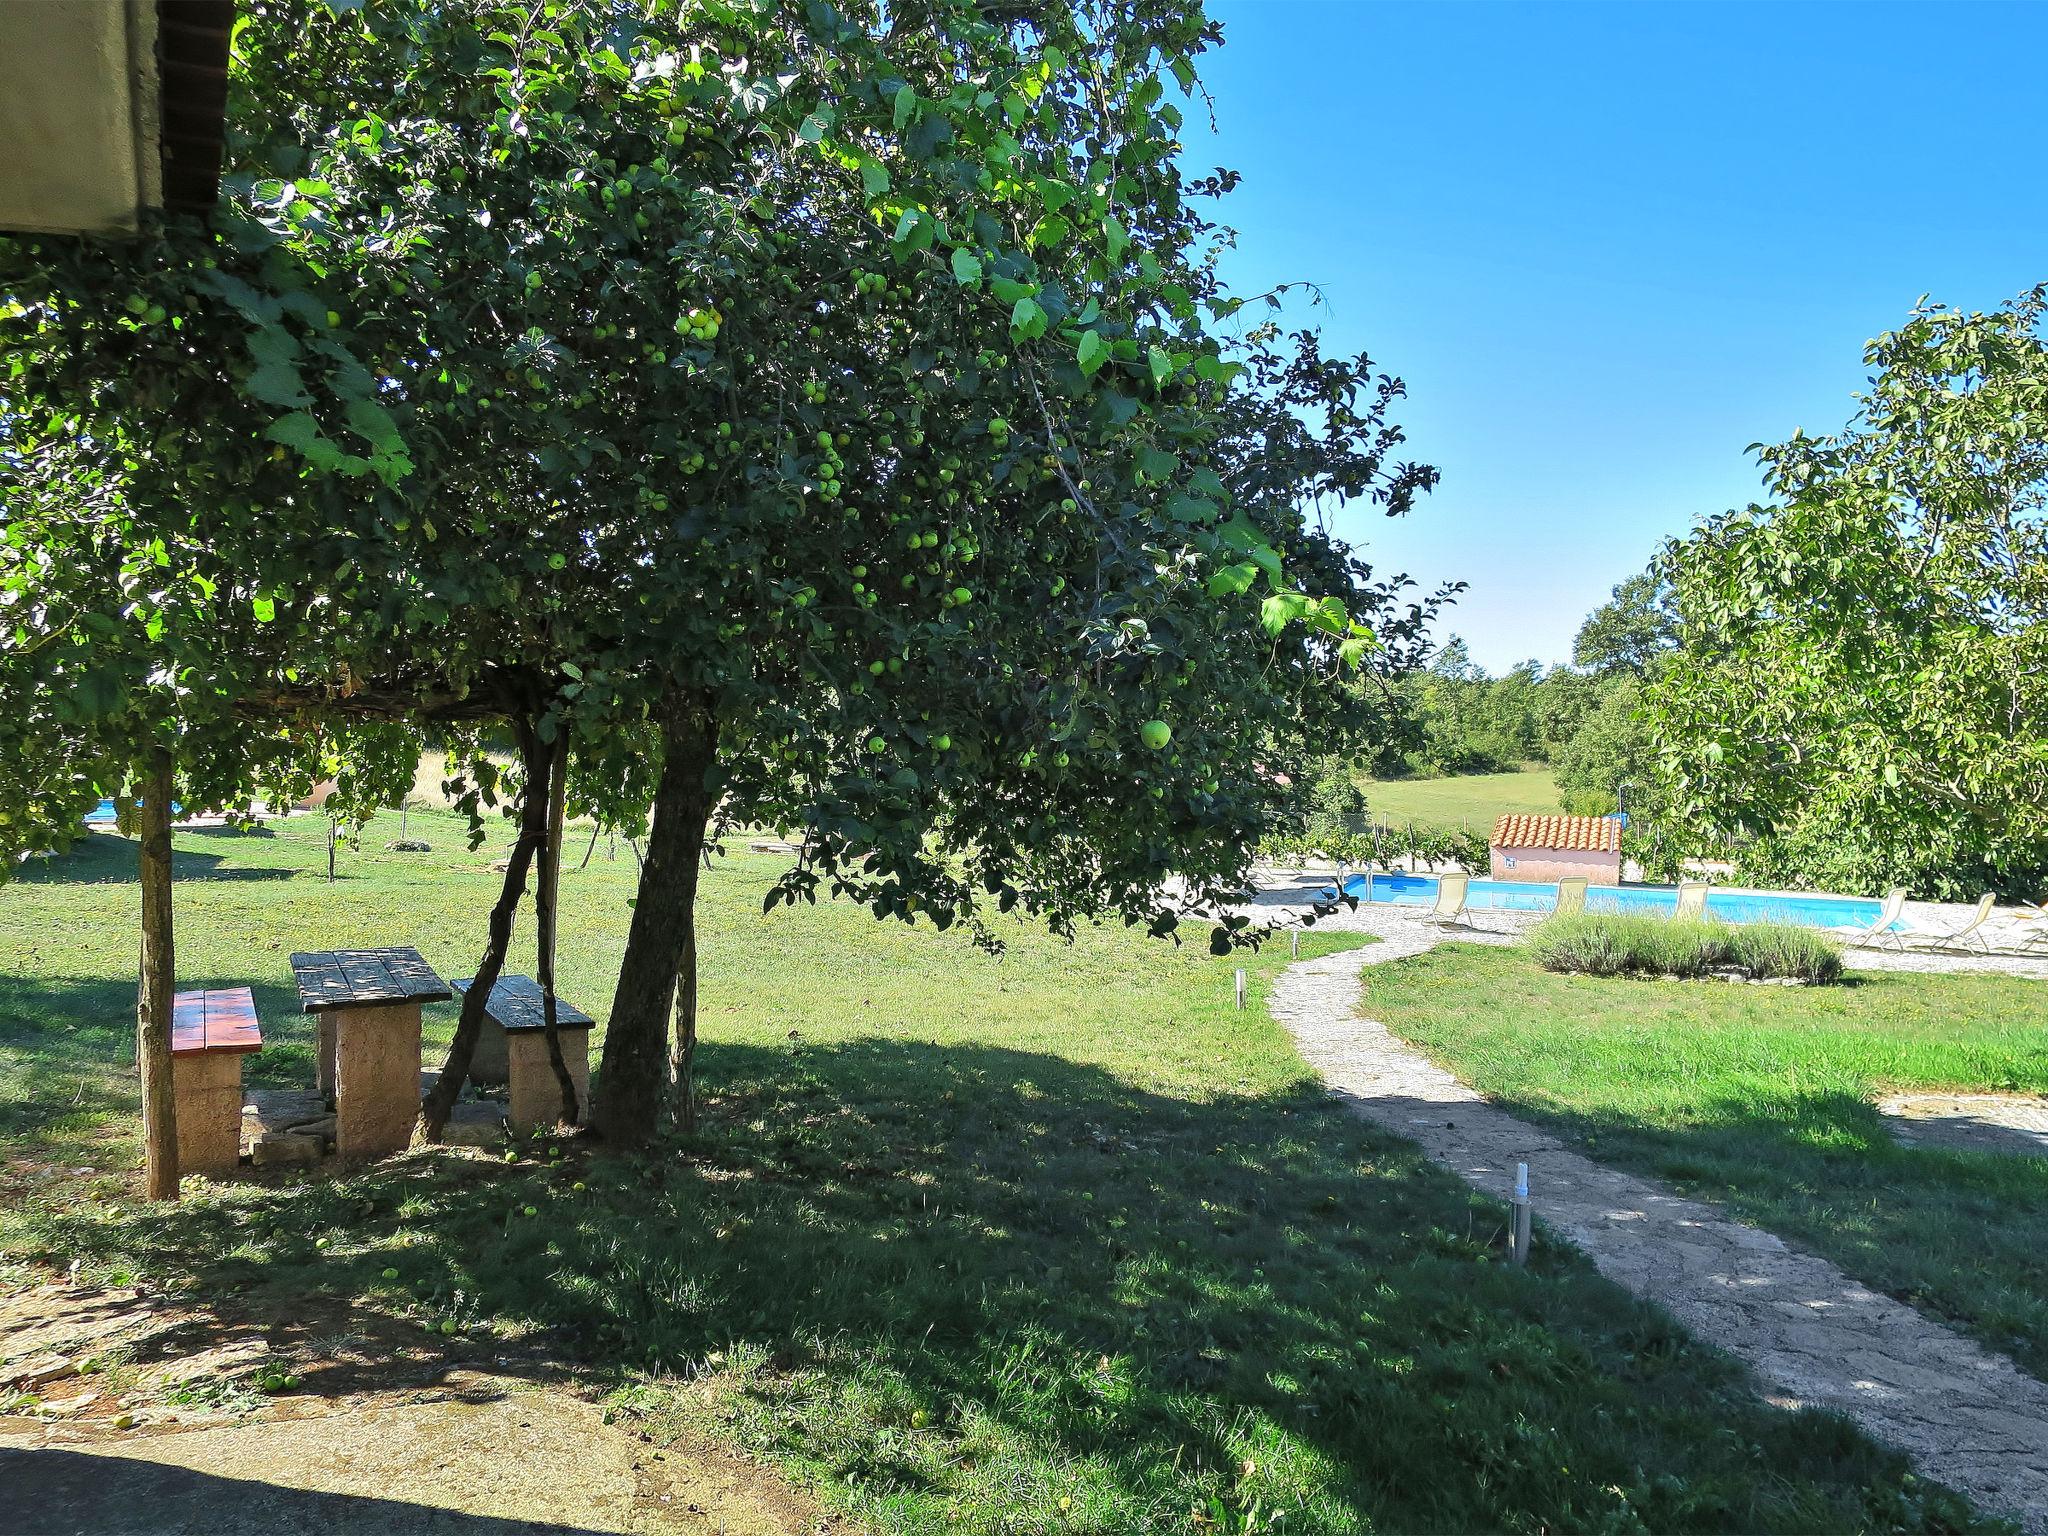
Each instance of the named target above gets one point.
<point>1784,949</point>
<point>1334,804</point>
<point>1437,844</point>
<point>1624,944</point>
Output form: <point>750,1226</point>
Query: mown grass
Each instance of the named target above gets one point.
<point>1761,1098</point>
<point>1056,1242</point>
<point>1473,801</point>
<point>1629,944</point>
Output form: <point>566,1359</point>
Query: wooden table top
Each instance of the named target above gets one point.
<point>515,1002</point>
<point>220,1020</point>
<point>365,978</point>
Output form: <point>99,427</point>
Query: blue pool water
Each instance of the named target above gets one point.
<point>1527,896</point>
<point>104,816</point>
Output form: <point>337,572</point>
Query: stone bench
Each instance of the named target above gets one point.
<point>513,1050</point>
<point>210,1034</point>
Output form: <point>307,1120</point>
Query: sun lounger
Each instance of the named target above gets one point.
<point>1971,935</point>
<point>1571,895</point>
<point>1449,910</point>
<point>1881,932</point>
<point>2034,935</point>
<point>1692,900</point>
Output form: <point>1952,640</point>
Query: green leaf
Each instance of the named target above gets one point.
<point>374,423</point>
<point>1233,579</point>
<point>297,430</point>
<point>1009,290</point>
<point>1115,239</point>
<point>278,383</point>
<point>1277,610</point>
<point>1027,320</point>
<point>1156,463</point>
<point>966,266</point>
<point>264,608</point>
<point>904,108</point>
<point>1160,363</point>
<point>874,178</point>
<point>1092,352</point>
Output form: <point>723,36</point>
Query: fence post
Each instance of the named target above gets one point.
<point>1521,1204</point>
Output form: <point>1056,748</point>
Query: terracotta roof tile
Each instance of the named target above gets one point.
<point>1577,834</point>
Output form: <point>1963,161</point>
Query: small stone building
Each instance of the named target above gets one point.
<point>1548,848</point>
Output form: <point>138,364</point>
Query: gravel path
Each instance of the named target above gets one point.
<point>1969,1418</point>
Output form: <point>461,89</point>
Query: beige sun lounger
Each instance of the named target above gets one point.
<point>1571,895</point>
<point>1692,900</point>
<point>1881,933</point>
<point>2034,936</point>
<point>1449,910</point>
<point>1971,935</point>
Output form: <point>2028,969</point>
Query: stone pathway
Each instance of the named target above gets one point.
<point>1969,1418</point>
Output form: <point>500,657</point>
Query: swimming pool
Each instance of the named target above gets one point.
<point>1528,896</point>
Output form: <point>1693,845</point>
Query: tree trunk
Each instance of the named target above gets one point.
<point>634,1080</point>
<point>554,764</point>
<point>533,829</point>
<point>156,987</point>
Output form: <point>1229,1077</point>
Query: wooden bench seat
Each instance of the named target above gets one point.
<point>210,1034</point>
<point>513,1050</point>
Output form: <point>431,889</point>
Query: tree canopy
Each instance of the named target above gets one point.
<point>1632,631</point>
<point>830,418</point>
<point>1862,688</point>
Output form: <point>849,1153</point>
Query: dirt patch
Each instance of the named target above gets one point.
<point>126,1411</point>
<point>2013,1124</point>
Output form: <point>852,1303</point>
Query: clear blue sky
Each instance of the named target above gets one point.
<point>1610,246</point>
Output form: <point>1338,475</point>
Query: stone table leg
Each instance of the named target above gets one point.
<point>208,1089</point>
<point>377,1078</point>
<point>323,1067</point>
<point>487,1063</point>
<point>535,1094</point>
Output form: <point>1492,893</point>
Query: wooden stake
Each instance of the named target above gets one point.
<point>156,985</point>
<point>546,890</point>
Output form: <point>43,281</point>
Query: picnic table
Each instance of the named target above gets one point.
<point>512,1049</point>
<point>368,1004</point>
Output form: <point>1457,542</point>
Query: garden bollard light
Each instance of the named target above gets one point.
<point>1521,1204</point>
<point>1240,989</point>
<point>1294,941</point>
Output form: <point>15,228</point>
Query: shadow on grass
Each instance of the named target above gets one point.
<point>1953,1233</point>
<point>107,858</point>
<point>67,1049</point>
<point>946,1276</point>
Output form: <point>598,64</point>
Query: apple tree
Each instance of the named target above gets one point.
<point>827,419</point>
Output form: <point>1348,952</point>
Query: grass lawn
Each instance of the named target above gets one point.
<point>1054,1242</point>
<point>1474,800</point>
<point>1759,1098</point>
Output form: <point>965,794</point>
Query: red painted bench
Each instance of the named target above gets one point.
<point>210,1034</point>
<point>224,1020</point>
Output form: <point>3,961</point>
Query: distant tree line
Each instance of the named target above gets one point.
<point>1451,717</point>
<point>1842,688</point>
